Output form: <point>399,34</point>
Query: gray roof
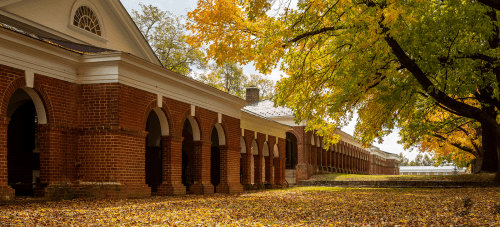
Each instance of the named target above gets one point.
<point>266,108</point>
<point>35,33</point>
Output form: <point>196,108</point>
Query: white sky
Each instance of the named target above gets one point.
<point>182,7</point>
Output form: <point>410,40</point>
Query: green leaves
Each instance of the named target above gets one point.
<point>165,33</point>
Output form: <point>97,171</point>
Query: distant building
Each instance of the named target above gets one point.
<point>306,154</point>
<point>431,170</point>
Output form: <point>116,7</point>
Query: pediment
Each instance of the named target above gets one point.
<point>116,29</point>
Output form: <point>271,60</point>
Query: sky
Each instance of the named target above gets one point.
<point>181,8</point>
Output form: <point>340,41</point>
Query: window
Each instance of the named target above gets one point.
<point>86,19</point>
<point>418,173</point>
<point>427,173</point>
<point>436,173</point>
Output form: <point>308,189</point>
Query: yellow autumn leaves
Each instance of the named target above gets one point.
<point>304,206</point>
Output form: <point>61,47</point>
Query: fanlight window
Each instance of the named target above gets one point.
<point>86,19</point>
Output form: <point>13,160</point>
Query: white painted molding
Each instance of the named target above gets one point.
<point>255,135</point>
<point>29,75</point>
<point>265,149</point>
<point>220,134</point>
<point>40,109</point>
<point>195,128</point>
<point>193,108</point>
<point>163,121</point>
<point>159,100</point>
<point>243,145</point>
<point>267,137</point>
<point>276,152</point>
<point>219,118</point>
<point>255,148</point>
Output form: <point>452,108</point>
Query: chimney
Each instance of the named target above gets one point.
<point>252,94</point>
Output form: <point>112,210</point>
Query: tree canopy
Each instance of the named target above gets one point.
<point>165,33</point>
<point>386,59</point>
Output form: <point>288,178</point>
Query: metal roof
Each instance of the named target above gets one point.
<point>266,108</point>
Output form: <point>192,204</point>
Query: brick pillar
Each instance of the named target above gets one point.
<point>269,168</point>
<point>258,161</point>
<point>247,168</point>
<point>172,167</point>
<point>229,171</point>
<point>278,180</point>
<point>313,155</point>
<point>202,184</point>
<point>6,192</point>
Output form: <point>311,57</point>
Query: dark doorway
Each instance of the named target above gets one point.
<point>154,152</point>
<point>215,160</point>
<point>23,157</point>
<point>291,151</point>
<point>188,156</point>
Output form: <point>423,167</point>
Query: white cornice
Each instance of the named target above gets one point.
<point>262,125</point>
<point>23,52</point>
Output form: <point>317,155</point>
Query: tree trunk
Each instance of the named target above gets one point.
<point>476,164</point>
<point>490,148</point>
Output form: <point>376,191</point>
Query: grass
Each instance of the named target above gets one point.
<point>482,177</point>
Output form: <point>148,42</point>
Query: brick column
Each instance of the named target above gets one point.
<point>202,184</point>
<point>257,161</point>
<point>278,180</point>
<point>172,167</point>
<point>229,171</point>
<point>269,168</point>
<point>6,192</point>
<point>247,168</point>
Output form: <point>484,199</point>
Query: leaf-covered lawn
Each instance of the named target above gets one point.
<point>310,206</point>
<point>482,177</point>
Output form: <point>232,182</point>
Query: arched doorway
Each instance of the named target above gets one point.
<point>154,154</point>
<point>255,163</point>
<point>25,111</point>
<point>291,151</point>
<point>266,169</point>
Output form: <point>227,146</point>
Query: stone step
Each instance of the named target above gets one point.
<point>290,176</point>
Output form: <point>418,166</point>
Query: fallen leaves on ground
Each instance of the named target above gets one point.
<point>305,206</point>
<point>481,177</point>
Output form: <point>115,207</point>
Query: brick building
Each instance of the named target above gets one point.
<point>85,102</point>
<point>306,154</point>
<point>432,170</point>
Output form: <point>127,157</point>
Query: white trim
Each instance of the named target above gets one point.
<point>193,109</point>
<point>219,118</point>
<point>257,124</point>
<point>220,134</point>
<point>255,147</point>
<point>159,100</point>
<point>40,109</point>
<point>29,75</point>
<point>265,149</point>
<point>243,145</point>
<point>163,121</point>
<point>195,128</point>
<point>276,152</point>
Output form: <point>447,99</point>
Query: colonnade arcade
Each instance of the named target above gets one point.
<point>340,158</point>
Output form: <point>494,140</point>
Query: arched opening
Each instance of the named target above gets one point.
<point>291,151</point>
<point>215,159</point>
<point>154,154</point>
<point>25,111</point>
